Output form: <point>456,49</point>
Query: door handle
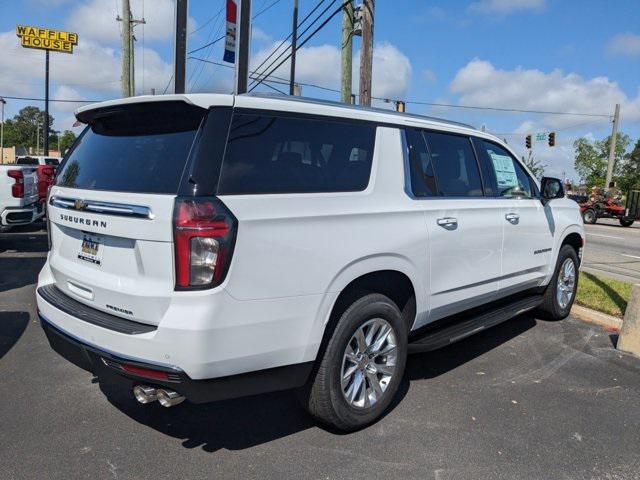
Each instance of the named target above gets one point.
<point>448,222</point>
<point>512,217</point>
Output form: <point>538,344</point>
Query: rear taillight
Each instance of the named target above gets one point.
<point>48,173</point>
<point>17,189</point>
<point>204,232</point>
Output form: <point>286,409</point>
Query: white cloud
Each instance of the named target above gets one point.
<point>480,83</point>
<point>96,19</point>
<point>428,76</point>
<point>260,35</point>
<point>92,72</point>
<point>624,44</point>
<point>321,65</point>
<point>151,71</point>
<point>505,7</point>
<point>63,92</point>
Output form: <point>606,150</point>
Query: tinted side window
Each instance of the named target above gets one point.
<point>423,181</point>
<point>455,165</point>
<point>512,180</point>
<point>280,154</point>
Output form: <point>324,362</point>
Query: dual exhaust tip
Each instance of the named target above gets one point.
<point>167,398</point>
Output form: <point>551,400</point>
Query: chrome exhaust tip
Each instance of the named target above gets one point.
<point>169,398</point>
<point>145,394</point>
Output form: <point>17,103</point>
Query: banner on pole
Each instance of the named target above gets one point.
<point>232,28</point>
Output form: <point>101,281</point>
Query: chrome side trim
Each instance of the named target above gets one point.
<point>107,208</point>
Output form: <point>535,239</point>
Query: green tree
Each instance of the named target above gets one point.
<point>591,159</point>
<point>66,140</point>
<point>22,129</point>
<point>630,170</point>
<point>534,165</point>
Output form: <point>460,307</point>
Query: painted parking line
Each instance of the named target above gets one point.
<point>630,256</point>
<point>605,236</point>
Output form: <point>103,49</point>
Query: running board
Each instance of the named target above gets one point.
<point>453,332</point>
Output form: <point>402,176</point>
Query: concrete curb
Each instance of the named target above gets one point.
<point>597,318</point>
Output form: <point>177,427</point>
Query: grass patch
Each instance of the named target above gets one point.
<point>603,294</point>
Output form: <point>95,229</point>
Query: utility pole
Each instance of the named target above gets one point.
<point>128,50</point>
<point>125,77</point>
<point>366,51</point>
<point>181,47</point>
<point>45,129</point>
<point>294,45</point>
<point>132,63</point>
<point>2,104</point>
<point>612,147</point>
<point>347,52</point>
<point>242,61</point>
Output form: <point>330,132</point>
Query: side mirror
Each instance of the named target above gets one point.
<point>551,188</point>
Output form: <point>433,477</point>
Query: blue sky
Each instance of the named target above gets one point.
<point>551,55</point>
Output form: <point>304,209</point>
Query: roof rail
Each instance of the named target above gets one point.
<point>333,103</point>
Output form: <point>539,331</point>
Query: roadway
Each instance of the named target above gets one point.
<point>613,250</point>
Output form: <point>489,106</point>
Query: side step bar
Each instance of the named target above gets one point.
<point>453,332</point>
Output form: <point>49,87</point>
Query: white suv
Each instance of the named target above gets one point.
<point>211,246</point>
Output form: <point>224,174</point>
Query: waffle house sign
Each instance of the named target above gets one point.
<point>46,39</point>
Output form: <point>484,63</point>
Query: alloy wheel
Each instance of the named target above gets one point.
<point>369,363</point>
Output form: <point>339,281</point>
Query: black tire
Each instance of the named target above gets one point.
<point>589,216</point>
<point>625,222</point>
<point>323,397</point>
<point>550,309</point>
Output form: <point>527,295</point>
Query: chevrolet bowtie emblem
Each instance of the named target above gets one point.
<point>79,205</point>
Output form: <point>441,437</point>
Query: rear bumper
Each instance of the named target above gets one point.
<point>107,365</point>
<point>14,216</point>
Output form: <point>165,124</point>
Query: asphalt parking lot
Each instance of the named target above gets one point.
<point>527,399</point>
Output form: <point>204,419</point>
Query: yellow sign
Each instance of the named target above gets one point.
<point>46,39</point>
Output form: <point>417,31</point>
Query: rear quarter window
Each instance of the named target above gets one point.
<point>281,154</point>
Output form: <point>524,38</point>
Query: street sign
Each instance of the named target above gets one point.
<point>46,38</point>
<point>541,137</point>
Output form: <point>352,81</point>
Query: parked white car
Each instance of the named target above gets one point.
<point>210,246</point>
<point>19,203</point>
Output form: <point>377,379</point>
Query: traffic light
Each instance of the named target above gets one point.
<point>527,141</point>
<point>552,139</point>
<point>400,106</point>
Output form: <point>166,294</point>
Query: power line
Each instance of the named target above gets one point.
<point>33,99</point>
<point>283,81</point>
<point>275,50</point>
<point>417,102</point>
<point>195,76</point>
<point>500,109</point>
<point>215,15</point>
<point>265,9</point>
<point>311,35</point>
<point>223,36</point>
<point>570,127</point>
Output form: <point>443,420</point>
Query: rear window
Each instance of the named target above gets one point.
<point>27,161</point>
<point>137,148</point>
<point>280,154</point>
<point>51,161</point>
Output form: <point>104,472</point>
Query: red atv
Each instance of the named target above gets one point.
<point>597,206</point>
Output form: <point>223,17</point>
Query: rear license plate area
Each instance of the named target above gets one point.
<point>91,249</point>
